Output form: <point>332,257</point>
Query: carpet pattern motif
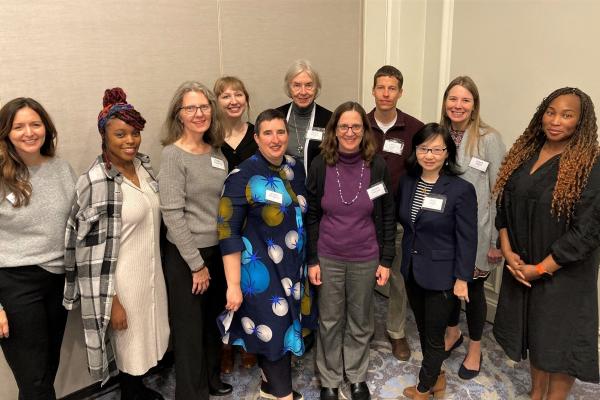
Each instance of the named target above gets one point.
<point>499,379</point>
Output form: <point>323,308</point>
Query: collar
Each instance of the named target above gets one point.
<point>400,122</point>
<point>114,174</point>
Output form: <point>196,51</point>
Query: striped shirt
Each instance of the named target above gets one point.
<point>423,189</point>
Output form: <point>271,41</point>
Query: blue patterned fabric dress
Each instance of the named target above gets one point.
<point>261,215</point>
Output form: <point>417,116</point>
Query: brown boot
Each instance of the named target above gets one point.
<point>248,359</point>
<point>438,389</point>
<point>227,359</point>
<point>412,393</point>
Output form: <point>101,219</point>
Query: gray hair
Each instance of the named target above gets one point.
<point>296,68</point>
<point>173,127</point>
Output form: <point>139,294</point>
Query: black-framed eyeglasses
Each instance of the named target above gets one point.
<point>436,151</point>
<point>356,129</point>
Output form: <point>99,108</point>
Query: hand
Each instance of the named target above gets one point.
<point>382,275</point>
<point>3,325</point>
<point>517,274</point>
<point>200,280</point>
<point>512,258</point>
<point>494,255</point>
<point>461,290</point>
<point>526,274</point>
<point>314,274</point>
<point>234,298</point>
<point>118,316</point>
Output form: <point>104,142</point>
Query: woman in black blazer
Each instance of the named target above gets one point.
<point>438,211</point>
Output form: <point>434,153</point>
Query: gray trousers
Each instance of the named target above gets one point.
<point>396,316</point>
<point>346,322</point>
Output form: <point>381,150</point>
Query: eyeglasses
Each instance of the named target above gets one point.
<point>356,129</point>
<point>436,151</point>
<point>296,87</point>
<point>190,110</point>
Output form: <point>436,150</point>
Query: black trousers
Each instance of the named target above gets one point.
<point>196,337</point>
<point>32,300</point>
<point>432,309</point>
<point>476,309</point>
<point>278,375</point>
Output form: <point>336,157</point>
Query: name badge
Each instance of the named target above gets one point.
<point>153,184</point>
<point>274,197</point>
<point>479,164</point>
<point>434,202</point>
<point>217,163</point>
<point>11,198</point>
<point>393,146</point>
<point>377,190</point>
<point>314,135</point>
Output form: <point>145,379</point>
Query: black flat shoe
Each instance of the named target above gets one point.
<point>360,391</point>
<point>329,393</point>
<point>223,390</point>
<point>465,373</point>
<point>456,345</point>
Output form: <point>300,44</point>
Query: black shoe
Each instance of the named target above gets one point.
<point>329,393</point>
<point>456,345</point>
<point>223,390</point>
<point>360,391</point>
<point>465,373</point>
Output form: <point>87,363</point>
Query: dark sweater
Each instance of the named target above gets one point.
<point>382,215</point>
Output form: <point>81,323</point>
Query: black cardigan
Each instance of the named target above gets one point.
<point>322,116</point>
<point>383,210</point>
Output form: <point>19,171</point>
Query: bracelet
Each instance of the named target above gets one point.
<point>541,270</point>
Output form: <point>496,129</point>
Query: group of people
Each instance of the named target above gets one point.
<point>270,236</point>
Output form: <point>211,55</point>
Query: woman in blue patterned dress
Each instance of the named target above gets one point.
<point>262,239</point>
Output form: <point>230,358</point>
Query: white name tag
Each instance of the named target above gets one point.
<point>393,146</point>
<point>478,164</point>
<point>11,198</point>
<point>274,197</point>
<point>377,190</point>
<point>314,135</point>
<point>217,163</point>
<point>433,203</point>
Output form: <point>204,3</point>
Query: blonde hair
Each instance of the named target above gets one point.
<point>476,125</point>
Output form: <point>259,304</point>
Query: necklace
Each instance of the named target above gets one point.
<point>300,146</point>
<point>337,172</point>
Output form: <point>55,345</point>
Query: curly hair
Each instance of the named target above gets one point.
<point>14,174</point>
<point>576,161</point>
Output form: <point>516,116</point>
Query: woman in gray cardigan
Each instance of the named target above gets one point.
<point>480,153</point>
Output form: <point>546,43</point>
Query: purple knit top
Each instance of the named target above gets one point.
<point>347,232</point>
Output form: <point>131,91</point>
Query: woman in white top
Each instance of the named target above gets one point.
<point>116,215</point>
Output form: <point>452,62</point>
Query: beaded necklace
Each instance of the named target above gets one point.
<point>337,172</point>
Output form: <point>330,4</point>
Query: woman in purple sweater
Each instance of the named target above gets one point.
<point>351,230</point>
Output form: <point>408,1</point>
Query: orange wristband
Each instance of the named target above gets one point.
<point>541,270</point>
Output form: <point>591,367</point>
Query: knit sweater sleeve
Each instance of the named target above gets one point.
<point>171,182</point>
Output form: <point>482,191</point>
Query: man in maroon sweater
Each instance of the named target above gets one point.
<point>394,131</point>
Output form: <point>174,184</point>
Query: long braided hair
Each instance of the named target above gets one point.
<point>576,161</point>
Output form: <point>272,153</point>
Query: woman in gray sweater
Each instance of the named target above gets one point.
<point>36,190</point>
<point>191,178</point>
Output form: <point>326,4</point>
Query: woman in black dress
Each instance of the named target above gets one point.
<point>549,226</point>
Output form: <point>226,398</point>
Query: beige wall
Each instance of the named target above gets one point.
<point>65,54</point>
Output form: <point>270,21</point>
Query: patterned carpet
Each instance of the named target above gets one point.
<point>500,378</point>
